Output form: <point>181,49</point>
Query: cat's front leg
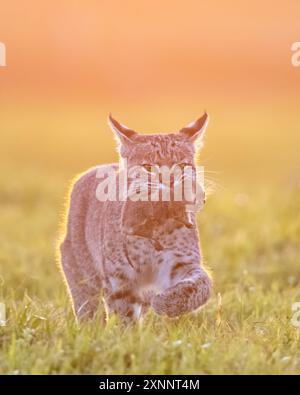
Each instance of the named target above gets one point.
<point>186,295</point>
<point>124,302</point>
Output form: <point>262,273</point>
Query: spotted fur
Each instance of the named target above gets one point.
<point>99,257</point>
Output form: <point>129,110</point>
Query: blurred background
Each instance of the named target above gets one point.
<point>156,66</point>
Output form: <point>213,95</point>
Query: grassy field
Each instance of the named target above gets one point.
<point>251,244</point>
<point>156,67</point>
<point>250,238</point>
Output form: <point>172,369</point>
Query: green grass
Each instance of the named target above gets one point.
<point>251,243</point>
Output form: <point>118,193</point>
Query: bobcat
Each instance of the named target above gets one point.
<point>135,255</point>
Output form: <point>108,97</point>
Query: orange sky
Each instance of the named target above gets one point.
<point>140,48</point>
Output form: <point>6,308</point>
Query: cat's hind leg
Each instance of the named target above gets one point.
<point>84,287</point>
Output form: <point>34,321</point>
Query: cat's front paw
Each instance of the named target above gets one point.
<point>175,300</point>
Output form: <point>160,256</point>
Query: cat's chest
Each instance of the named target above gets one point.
<point>172,237</point>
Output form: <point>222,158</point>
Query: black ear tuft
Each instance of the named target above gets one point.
<point>195,129</point>
<point>125,134</point>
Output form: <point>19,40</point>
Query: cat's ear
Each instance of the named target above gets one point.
<point>124,134</point>
<point>195,130</point>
